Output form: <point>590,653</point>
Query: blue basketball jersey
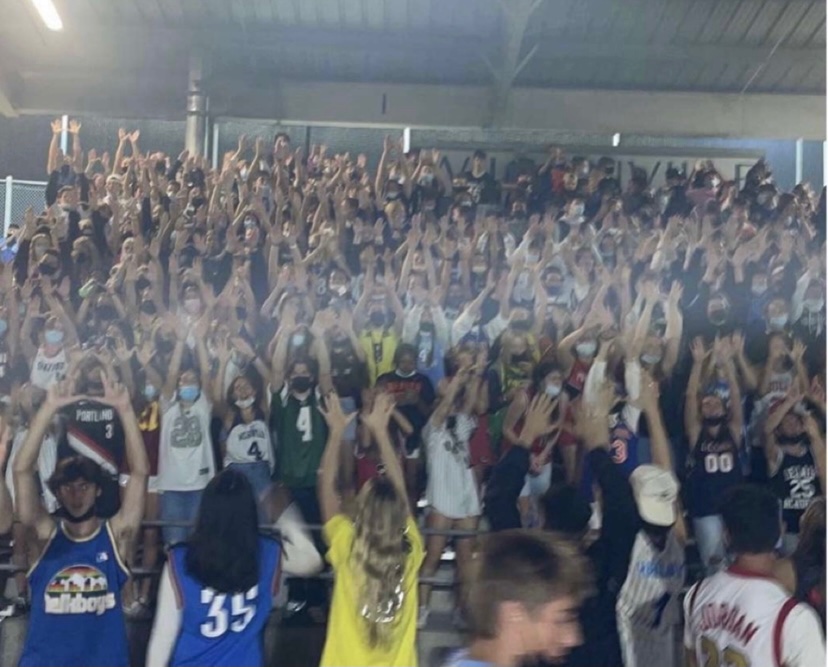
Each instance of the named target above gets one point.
<point>223,630</point>
<point>76,618</point>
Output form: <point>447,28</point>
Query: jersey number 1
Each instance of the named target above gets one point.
<point>243,608</point>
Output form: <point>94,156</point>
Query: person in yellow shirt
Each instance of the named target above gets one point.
<point>379,317</point>
<point>376,555</point>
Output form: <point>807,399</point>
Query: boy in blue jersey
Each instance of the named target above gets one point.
<point>76,617</point>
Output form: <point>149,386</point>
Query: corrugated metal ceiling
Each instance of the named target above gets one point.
<point>692,45</point>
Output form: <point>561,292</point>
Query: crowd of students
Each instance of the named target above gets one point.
<point>557,349</point>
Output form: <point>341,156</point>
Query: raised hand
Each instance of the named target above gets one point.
<point>798,351</point>
<point>331,411</point>
<point>115,394</point>
<point>698,350</point>
<point>74,126</point>
<point>60,394</point>
<point>536,422</point>
<point>377,420</point>
<point>122,134</point>
<point>57,126</point>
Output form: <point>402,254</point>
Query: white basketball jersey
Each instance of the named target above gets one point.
<point>249,443</point>
<point>740,618</point>
<point>46,371</point>
<point>648,609</point>
<point>185,452</point>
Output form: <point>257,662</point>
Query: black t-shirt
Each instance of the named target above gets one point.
<point>483,189</point>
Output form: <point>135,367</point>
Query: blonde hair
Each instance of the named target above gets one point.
<point>378,559</point>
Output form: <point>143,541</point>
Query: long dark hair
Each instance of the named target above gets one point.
<point>223,551</point>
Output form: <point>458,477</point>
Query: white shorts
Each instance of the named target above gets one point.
<point>152,482</point>
<point>537,485</point>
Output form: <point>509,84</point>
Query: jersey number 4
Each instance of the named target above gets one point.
<point>220,620</point>
<point>303,423</point>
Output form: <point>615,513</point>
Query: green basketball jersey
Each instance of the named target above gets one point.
<point>301,433</point>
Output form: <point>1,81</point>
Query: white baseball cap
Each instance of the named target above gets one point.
<point>655,491</point>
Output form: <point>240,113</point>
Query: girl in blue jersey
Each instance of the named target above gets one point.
<point>216,589</point>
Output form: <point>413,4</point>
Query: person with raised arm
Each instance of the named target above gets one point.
<point>82,560</point>
<point>376,556</point>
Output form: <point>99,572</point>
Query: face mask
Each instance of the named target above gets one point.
<point>406,375</point>
<point>718,317</point>
<point>758,289</point>
<point>532,257</point>
<point>650,359</point>
<point>165,346</point>
<point>189,392</point>
<point>788,439</point>
<point>245,403</point>
<point>148,307</point>
<point>192,306</point>
<point>426,180</point>
<point>553,290</point>
<point>53,337</point>
<point>300,384</point>
<point>553,390</point>
<point>338,290</point>
<point>4,325</point>
<point>65,514</point>
<point>297,340</point>
<point>778,323</point>
<point>521,325</point>
<point>241,313</point>
<point>811,305</point>
<point>577,210</point>
<point>377,318</point>
<point>150,392</point>
<point>712,422</point>
<point>586,349</point>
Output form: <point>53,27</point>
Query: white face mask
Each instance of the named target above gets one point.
<point>577,210</point>
<point>192,306</point>
<point>244,403</point>
<point>553,390</point>
<point>586,349</point>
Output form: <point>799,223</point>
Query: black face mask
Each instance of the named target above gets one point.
<point>89,514</point>
<point>712,422</point>
<point>165,346</point>
<point>788,439</point>
<point>301,384</point>
<point>107,312</point>
<point>523,358</point>
<point>522,325</point>
<point>47,269</point>
<point>377,318</point>
<point>148,307</point>
<point>553,290</point>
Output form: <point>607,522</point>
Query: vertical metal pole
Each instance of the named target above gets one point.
<point>64,133</point>
<point>798,167</point>
<point>196,109</point>
<point>215,144</point>
<point>206,126</point>
<point>7,211</point>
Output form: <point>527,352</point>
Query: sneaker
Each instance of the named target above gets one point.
<point>422,617</point>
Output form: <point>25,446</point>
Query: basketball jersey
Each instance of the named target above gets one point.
<point>46,371</point>
<point>715,468</point>
<point>76,618</point>
<point>223,629</point>
<point>249,443</point>
<point>185,456</point>
<point>796,484</point>
<point>301,433</point>
<point>648,609</point>
<point>94,430</point>
<point>737,617</point>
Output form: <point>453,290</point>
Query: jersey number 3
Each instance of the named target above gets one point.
<point>219,619</point>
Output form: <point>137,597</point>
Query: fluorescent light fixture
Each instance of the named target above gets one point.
<point>616,139</point>
<point>49,14</point>
<point>406,139</point>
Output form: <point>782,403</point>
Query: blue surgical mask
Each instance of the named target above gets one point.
<point>778,323</point>
<point>650,359</point>
<point>587,348</point>
<point>53,336</point>
<point>150,391</point>
<point>188,392</point>
<point>297,340</point>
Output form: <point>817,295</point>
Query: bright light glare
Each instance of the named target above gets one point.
<point>49,14</point>
<point>616,139</point>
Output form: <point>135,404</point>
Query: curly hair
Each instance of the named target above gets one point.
<point>378,559</point>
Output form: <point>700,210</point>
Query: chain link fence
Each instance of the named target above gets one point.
<point>18,195</point>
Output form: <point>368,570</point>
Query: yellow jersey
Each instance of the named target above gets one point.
<point>379,347</point>
<point>346,644</point>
